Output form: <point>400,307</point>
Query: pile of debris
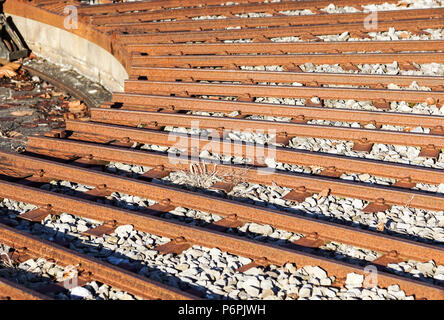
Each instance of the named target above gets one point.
<point>30,105</point>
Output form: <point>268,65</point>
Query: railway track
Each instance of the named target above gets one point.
<point>195,100</point>
<point>285,47</point>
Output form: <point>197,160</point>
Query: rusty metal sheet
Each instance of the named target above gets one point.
<point>388,258</point>
<point>36,215</point>
<point>163,206</point>
<point>378,206</point>
<point>158,172</point>
<point>230,221</point>
<point>405,182</point>
<point>311,240</point>
<point>297,195</point>
<point>261,262</point>
<point>175,246</point>
<point>101,191</point>
<point>106,228</point>
<point>331,172</point>
<point>430,151</point>
<point>223,186</point>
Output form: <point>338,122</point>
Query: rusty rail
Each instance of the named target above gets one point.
<point>307,78</point>
<point>275,21</point>
<point>162,4</point>
<point>234,61</point>
<point>265,34</point>
<point>231,11</point>
<point>284,47</point>
<point>250,91</point>
<point>298,113</point>
<point>287,129</point>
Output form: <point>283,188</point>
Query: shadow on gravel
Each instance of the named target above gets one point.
<point>47,286</point>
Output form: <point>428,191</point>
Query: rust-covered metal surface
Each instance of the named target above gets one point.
<point>179,65</point>
<point>12,291</point>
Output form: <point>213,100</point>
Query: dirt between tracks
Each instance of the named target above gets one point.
<point>29,105</point>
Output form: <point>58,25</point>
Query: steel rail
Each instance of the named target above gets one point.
<point>313,79</point>
<point>227,11</point>
<point>281,91</point>
<point>313,184</point>
<point>264,34</point>
<point>274,21</point>
<point>134,118</point>
<point>72,91</point>
<point>162,4</point>
<point>58,6</point>
<point>234,61</point>
<point>195,235</point>
<point>101,271</point>
<point>137,102</point>
<point>144,6</point>
<point>47,2</point>
<point>43,2</point>
<point>13,291</point>
<point>111,153</point>
<point>285,47</point>
<point>254,77</point>
<point>113,8</point>
<point>247,150</point>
